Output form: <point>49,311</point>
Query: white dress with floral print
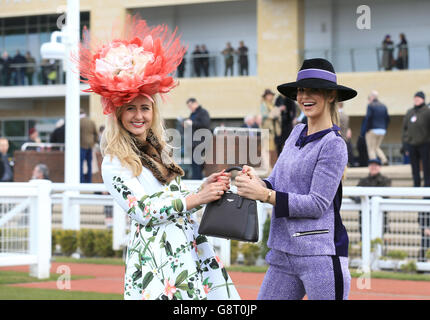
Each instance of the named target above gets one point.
<point>166,257</point>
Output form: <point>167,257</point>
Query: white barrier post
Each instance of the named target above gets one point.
<point>365,233</point>
<point>376,218</point>
<point>71,212</point>
<point>41,234</point>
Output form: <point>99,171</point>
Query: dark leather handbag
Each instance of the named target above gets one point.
<point>231,217</point>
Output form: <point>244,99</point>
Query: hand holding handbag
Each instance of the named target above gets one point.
<point>231,217</point>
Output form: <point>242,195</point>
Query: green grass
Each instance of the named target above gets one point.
<point>15,293</point>
<point>9,277</point>
<point>109,261</point>
<point>18,293</point>
<point>394,275</point>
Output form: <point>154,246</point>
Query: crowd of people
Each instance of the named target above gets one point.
<point>201,60</point>
<point>389,61</point>
<point>22,70</point>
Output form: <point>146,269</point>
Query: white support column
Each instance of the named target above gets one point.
<point>72,138</point>
<point>43,230</point>
<point>365,233</point>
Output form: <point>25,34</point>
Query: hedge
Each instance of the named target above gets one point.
<point>89,242</point>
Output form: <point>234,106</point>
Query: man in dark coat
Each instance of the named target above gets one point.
<point>19,60</point>
<point>416,138</point>
<point>199,119</point>
<point>58,135</point>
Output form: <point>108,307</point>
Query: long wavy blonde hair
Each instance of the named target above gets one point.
<point>117,141</point>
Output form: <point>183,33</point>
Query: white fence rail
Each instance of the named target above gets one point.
<point>26,210</point>
<point>25,226</point>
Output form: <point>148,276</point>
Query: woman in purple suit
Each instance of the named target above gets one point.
<point>308,242</point>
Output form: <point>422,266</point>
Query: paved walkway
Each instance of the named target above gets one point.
<point>109,279</point>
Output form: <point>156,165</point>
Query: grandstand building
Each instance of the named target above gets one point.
<point>279,34</point>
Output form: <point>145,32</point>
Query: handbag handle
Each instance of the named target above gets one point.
<point>233,168</point>
<point>240,202</point>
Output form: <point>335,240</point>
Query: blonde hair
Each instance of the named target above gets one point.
<point>334,110</point>
<point>117,141</point>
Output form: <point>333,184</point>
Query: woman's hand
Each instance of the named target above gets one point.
<point>252,174</point>
<point>211,192</point>
<point>221,176</point>
<point>251,187</point>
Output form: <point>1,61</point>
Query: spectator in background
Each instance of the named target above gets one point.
<point>271,121</point>
<point>387,53</point>
<point>258,120</point>
<point>248,122</point>
<point>89,137</point>
<point>197,63</point>
<point>204,60</point>
<point>228,59</point>
<point>58,135</point>
<point>181,67</point>
<point>374,179</point>
<point>376,124</point>
<point>6,172</point>
<point>29,70</point>
<point>402,61</point>
<point>345,132</point>
<point>19,71</point>
<point>33,135</point>
<point>199,119</point>
<point>242,52</point>
<point>416,139</point>
<point>424,222</point>
<point>363,157</point>
<point>288,116</point>
<point>40,171</point>
<point>6,70</point>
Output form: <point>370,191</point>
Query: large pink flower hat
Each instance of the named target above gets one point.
<point>142,62</point>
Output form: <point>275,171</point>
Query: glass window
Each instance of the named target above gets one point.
<point>14,128</point>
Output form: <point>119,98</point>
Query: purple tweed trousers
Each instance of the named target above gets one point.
<point>291,277</point>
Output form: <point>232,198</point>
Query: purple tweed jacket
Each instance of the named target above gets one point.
<point>307,180</point>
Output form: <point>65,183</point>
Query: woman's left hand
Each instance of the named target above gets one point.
<point>250,188</point>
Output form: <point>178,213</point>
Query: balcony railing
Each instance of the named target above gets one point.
<point>373,58</point>
<point>198,65</point>
<point>19,74</point>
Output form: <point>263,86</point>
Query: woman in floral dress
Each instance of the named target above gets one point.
<point>166,257</point>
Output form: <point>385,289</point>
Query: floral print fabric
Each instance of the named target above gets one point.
<point>166,257</point>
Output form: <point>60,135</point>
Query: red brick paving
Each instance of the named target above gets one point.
<point>109,279</point>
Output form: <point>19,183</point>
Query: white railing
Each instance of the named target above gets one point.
<point>25,226</point>
<point>405,201</point>
<point>37,196</point>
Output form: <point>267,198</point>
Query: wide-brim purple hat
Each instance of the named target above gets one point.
<point>316,74</point>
